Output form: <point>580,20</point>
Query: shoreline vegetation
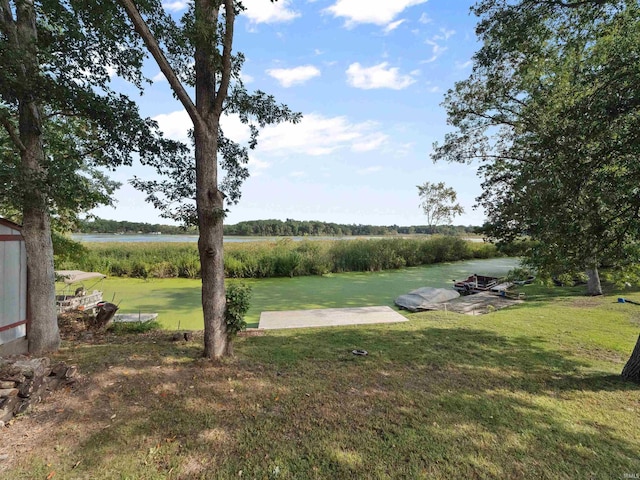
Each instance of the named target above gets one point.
<point>271,228</point>
<point>282,258</point>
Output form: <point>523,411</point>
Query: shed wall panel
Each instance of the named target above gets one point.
<point>4,230</point>
<point>13,286</point>
<point>12,334</point>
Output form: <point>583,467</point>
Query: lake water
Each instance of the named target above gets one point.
<point>106,237</point>
<point>177,300</point>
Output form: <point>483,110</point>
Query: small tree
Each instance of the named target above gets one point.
<point>438,204</point>
<point>194,193</point>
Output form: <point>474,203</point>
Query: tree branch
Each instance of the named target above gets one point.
<point>221,94</point>
<point>6,18</point>
<point>8,126</point>
<point>154,48</point>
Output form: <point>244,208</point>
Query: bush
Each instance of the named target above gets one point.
<point>238,296</point>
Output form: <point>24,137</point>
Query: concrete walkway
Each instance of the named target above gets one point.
<point>328,317</point>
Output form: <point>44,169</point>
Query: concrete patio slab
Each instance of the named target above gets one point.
<point>328,317</point>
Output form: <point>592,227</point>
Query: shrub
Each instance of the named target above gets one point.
<point>238,296</point>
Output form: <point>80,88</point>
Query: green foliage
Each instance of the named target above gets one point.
<point>126,328</point>
<point>67,250</point>
<point>83,125</point>
<point>238,297</point>
<point>552,110</point>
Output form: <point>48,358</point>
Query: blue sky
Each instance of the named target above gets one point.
<point>369,77</point>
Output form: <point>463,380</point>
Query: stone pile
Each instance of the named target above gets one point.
<point>26,381</point>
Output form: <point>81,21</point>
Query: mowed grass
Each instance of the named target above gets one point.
<point>177,300</point>
<point>527,392</point>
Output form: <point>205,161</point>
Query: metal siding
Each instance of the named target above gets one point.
<point>13,286</point>
<point>23,283</point>
<point>13,334</point>
<point>5,230</point>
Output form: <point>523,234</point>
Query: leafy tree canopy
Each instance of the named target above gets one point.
<point>439,203</point>
<point>552,111</point>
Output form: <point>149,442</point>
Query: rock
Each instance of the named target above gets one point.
<point>176,337</point>
<point>7,384</point>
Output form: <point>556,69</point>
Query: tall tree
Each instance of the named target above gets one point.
<point>439,204</point>
<point>60,121</point>
<point>552,111</point>
<point>206,31</point>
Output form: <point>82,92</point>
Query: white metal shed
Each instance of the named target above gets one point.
<point>13,289</point>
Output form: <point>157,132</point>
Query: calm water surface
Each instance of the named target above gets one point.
<point>106,237</point>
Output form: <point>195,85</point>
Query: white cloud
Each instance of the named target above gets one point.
<point>371,142</point>
<point>378,76</point>
<point>436,51</point>
<point>176,126</point>
<point>159,77</point>
<point>464,65</point>
<point>176,5</point>
<point>368,170</point>
<point>246,78</point>
<point>393,25</point>
<point>256,166</point>
<point>317,135</point>
<point>444,34</point>
<point>294,76</point>
<point>424,19</point>
<point>436,48</point>
<point>378,12</point>
<point>298,174</point>
<point>263,11</point>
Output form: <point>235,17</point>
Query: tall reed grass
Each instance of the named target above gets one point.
<point>284,258</point>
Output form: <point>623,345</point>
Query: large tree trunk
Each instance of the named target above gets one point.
<point>593,282</point>
<point>631,370</point>
<point>209,199</point>
<point>210,221</point>
<point>43,330</point>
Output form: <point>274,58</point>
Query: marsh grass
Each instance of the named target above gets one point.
<point>283,258</point>
<point>527,392</point>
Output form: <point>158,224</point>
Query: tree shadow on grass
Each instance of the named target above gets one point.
<point>425,403</point>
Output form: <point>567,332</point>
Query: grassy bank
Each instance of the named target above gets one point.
<point>284,258</point>
<point>528,392</point>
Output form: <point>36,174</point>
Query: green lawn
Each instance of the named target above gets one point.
<point>177,300</point>
<point>527,392</point>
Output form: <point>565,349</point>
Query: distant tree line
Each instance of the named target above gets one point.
<point>275,228</point>
<point>100,225</point>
